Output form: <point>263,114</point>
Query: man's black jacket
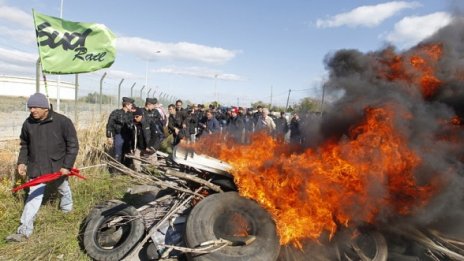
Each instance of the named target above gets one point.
<point>49,145</point>
<point>119,122</point>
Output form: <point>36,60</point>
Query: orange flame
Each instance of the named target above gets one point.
<point>239,225</point>
<point>456,120</point>
<point>371,171</point>
<point>423,60</point>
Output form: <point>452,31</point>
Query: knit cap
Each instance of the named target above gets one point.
<point>38,100</point>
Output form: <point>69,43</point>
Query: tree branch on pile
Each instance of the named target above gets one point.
<point>146,179</point>
<point>178,174</point>
<point>425,240</point>
<point>193,178</point>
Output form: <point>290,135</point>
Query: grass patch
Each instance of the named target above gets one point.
<point>55,233</point>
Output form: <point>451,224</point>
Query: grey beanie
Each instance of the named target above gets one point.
<point>38,100</point>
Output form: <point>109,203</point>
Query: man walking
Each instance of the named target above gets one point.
<point>48,144</point>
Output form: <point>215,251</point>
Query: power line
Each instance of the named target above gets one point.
<point>301,90</point>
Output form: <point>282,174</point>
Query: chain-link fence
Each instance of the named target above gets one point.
<point>98,94</point>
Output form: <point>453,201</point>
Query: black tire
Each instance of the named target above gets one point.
<point>112,243</point>
<point>214,218</point>
<point>371,244</point>
<point>225,184</point>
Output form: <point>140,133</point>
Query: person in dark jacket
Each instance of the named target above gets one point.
<point>236,127</point>
<point>201,116</point>
<point>176,125</point>
<point>281,127</point>
<point>191,122</point>
<point>295,132</point>
<point>118,129</point>
<point>180,110</point>
<point>153,118</point>
<point>258,114</point>
<point>211,125</point>
<point>249,122</point>
<point>48,144</point>
<point>140,137</point>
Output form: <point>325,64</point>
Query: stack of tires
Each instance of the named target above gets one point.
<point>114,228</point>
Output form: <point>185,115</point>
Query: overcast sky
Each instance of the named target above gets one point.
<point>238,51</point>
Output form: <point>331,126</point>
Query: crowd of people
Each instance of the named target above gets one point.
<point>142,131</point>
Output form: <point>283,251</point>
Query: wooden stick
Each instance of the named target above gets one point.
<point>194,179</point>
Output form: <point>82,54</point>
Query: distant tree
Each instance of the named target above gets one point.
<point>256,104</point>
<point>214,103</point>
<point>278,108</point>
<point>307,105</point>
<point>95,98</point>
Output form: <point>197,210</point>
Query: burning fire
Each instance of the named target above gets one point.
<point>423,60</point>
<point>347,181</point>
<point>369,172</point>
<point>239,225</point>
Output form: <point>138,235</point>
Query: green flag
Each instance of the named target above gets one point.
<point>71,47</point>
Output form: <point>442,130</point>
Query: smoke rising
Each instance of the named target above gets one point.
<point>386,78</point>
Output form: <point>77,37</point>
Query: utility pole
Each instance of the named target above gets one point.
<point>288,99</point>
<point>270,104</point>
<point>322,99</point>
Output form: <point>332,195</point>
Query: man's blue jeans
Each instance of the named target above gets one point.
<point>118,146</point>
<point>34,200</point>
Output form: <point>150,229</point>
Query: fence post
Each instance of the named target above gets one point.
<point>119,90</point>
<point>132,88</point>
<point>143,87</point>
<point>101,90</point>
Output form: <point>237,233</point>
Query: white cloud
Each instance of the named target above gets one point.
<point>12,69</point>
<point>15,15</point>
<point>147,50</point>
<point>199,72</point>
<point>413,29</point>
<point>121,74</point>
<point>369,15</point>
<point>19,35</point>
<point>17,57</point>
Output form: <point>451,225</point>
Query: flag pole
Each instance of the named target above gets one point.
<point>58,82</point>
<point>76,91</point>
<point>37,75</point>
